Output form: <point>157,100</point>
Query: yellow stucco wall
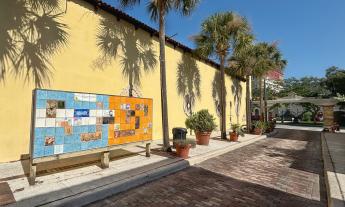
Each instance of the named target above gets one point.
<point>74,70</point>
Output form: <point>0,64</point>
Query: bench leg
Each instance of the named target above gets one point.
<point>32,176</point>
<point>148,149</point>
<point>105,160</point>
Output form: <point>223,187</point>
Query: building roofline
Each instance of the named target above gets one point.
<point>98,4</point>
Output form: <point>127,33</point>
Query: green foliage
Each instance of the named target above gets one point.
<point>185,142</point>
<point>201,121</point>
<point>307,116</point>
<point>306,87</point>
<point>219,33</point>
<point>260,124</point>
<point>335,78</point>
<point>237,128</point>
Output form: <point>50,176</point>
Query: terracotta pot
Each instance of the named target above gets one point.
<point>183,151</point>
<point>233,136</point>
<point>257,131</point>
<point>202,138</point>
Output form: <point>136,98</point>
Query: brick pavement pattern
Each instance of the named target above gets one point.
<point>284,170</point>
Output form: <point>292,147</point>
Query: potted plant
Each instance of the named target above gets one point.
<point>236,131</point>
<point>259,127</point>
<point>182,147</point>
<point>270,127</point>
<point>203,124</point>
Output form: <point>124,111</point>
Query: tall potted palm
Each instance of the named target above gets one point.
<point>218,37</point>
<point>158,10</point>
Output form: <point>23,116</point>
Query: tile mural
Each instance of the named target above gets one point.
<point>69,122</point>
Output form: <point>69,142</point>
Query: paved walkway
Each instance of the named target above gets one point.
<point>58,184</point>
<point>334,161</point>
<point>284,170</point>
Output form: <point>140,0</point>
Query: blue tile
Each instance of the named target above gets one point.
<point>81,113</point>
<point>99,98</point>
<point>78,105</point>
<point>38,151</point>
<point>50,131</point>
<point>59,131</point>
<point>77,129</point>
<point>92,105</point>
<point>40,132</point>
<point>68,139</point>
<point>104,142</point>
<point>52,95</point>
<point>61,95</point>
<point>105,99</point>
<point>69,95</point>
<point>92,128</point>
<point>84,146</point>
<point>39,141</point>
<point>84,129</point>
<point>59,140</point>
<point>85,104</point>
<point>92,145</point>
<point>41,94</point>
<point>48,150</point>
<point>69,104</point>
<point>76,138</point>
<point>41,104</point>
<point>105,105</point>
<point>72,148</point>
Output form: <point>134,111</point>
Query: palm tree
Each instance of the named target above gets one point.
<point>158,9</point>
<point>242,63</point>
<point>219,35</point>
<point>269,58</point>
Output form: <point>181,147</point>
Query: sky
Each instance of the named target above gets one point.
<point>310,33</point>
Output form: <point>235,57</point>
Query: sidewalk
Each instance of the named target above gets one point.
<point>319,129</point>
<point>333,150</point>
<point>86,183</point>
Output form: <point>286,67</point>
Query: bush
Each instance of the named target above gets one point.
<point>201,121</point>
<point>307,116</point>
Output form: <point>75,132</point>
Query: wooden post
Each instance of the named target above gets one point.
<point>148,149</point>
<point>32,177</point>
<point>105,159</point>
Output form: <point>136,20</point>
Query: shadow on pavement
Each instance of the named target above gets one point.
<point>197,186</point>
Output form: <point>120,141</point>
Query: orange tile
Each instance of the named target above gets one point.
<point>118,118</point>
<point>112,105</point>
<point>111,131</point>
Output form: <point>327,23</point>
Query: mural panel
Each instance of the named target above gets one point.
<point>70,122</point>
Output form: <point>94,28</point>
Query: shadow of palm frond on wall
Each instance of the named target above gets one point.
<point>236,89</point>
<point>31,33</point>
<point>188,82</point>
<point>216,91</point>
<point>135,51</point>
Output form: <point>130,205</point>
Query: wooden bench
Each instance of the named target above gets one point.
<point>105,151</point>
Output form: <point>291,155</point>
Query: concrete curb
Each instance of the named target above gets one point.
<point>134,179</point>
<point>332,187</point>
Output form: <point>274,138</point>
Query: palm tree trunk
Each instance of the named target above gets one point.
<point>222,98</point>
<point>262,107</point>
<point>130,80</point>
<point>248,107</point>
<point>165,124</point>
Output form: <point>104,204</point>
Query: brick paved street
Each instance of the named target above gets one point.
<point>284,170</point>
